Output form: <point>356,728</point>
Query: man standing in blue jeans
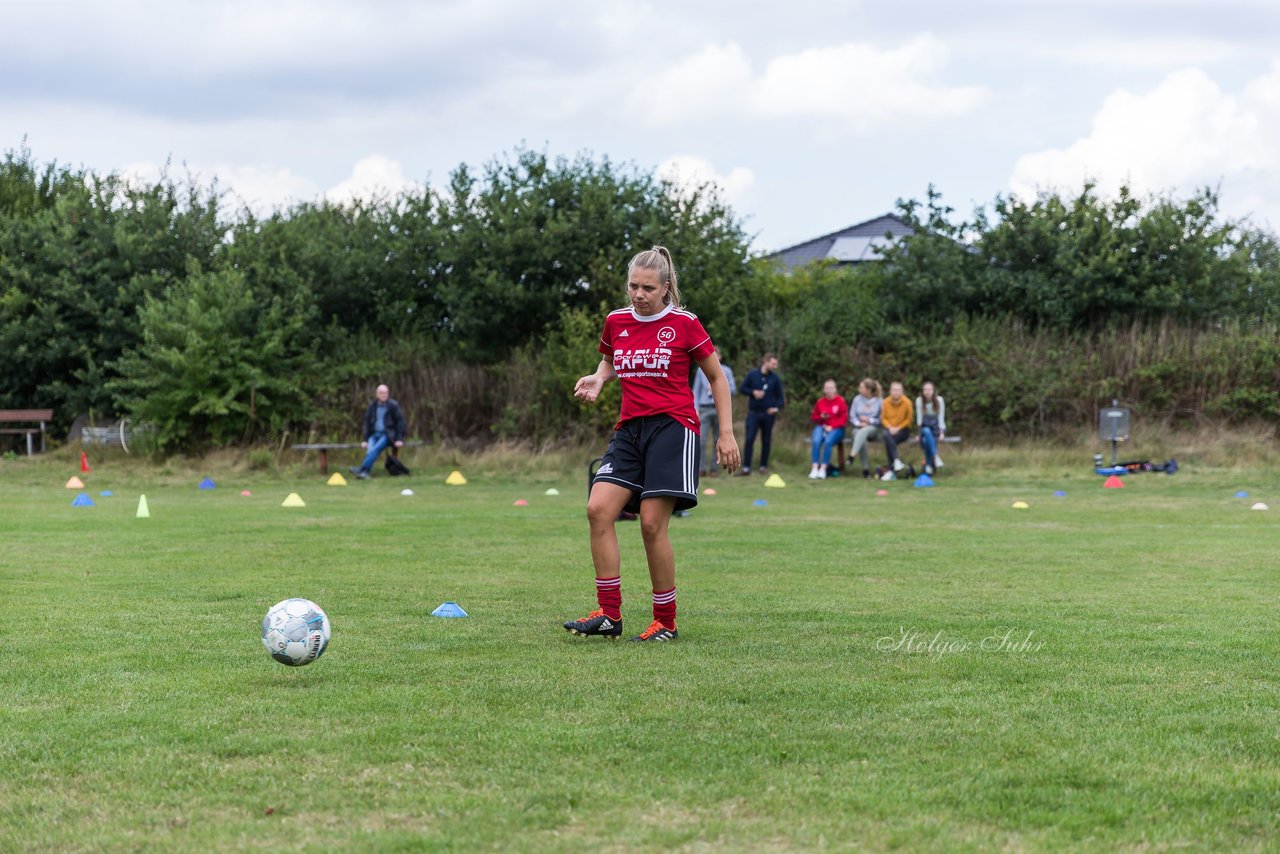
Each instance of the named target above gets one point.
<point>384,425</point>
<point>763,388</point>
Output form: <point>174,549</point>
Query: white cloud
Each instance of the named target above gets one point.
<point>864,83</point>
<point>690,172</point>
<point>261,188</point>
<point>715,79</point>
<point>373,177</point>
<point>264,188</point>
<point>1183,134</point>
<point>1143,52</point>
<point>858,83</point>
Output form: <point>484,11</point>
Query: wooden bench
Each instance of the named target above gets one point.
<point>26,416</point>
<point>913,439</point>
<point>325,447</point>
<point>846,445</point>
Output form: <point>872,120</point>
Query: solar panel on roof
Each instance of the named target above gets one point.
<point>858,248</point>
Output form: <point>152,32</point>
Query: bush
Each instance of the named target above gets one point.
<point>218,364</point>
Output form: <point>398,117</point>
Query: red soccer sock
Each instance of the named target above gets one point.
<point>664,607</point>
<point>609,595</point>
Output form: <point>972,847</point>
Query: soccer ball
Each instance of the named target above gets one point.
<point>295,632</point>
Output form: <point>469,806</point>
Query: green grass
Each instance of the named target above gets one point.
<point>138,709</point>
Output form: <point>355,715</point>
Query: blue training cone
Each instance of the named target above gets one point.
<point>1242,494</point>
<point>449,609</point>
<point>208,484</point>
<point>760,502</point>
<point>924,480</point>
<point>106,493</point>
<point>82,500</point>
<point>1058,493</point>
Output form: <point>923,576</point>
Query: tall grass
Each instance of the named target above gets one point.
<point>1001,379</point>
<point>1001,374</point>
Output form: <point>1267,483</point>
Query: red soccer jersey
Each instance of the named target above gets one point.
<point>830,413</point>
<point>653,357</point>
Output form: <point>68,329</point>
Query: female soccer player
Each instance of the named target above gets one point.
<point>651,466</point>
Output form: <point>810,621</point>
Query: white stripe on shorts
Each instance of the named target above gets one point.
<point>690,457</point>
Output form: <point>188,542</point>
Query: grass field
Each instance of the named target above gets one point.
<point>927,670</point>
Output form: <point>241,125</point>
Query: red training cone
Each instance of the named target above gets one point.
<point>84,462</point>
<point>1113,482</point>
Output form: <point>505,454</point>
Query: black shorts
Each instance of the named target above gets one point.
<point>655,456</point>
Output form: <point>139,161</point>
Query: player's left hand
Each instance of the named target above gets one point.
<point>727,454</point>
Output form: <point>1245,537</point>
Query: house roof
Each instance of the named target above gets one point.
<point>850,245</point>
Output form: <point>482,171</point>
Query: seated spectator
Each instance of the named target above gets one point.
<point>931,418</point>
<point>384,426</point>
<point>896,415</point>
<point>864,421</point>
<point>830,416</point>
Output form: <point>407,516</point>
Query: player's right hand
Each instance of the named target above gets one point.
<point>588,388</point>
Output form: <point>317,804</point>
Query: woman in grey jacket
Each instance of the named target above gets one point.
<point>864,421</point>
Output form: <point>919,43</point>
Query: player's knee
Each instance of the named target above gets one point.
<point>600,513</point>
<point>653,527</point>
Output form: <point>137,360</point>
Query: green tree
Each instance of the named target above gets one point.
<point>78,253</point>
<point>1080,261</point>
<point>218,363</point>
<point>532,237</point>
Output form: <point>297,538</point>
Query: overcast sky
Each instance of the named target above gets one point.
<point>810,115</point>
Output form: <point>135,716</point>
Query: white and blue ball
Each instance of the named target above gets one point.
<point>295,632</point>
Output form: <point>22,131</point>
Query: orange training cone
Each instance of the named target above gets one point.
<point>84,462</point>
<point>1113,482</point>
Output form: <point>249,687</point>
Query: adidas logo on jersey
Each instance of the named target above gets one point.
<point>623,334</point>
<point>607,468</point>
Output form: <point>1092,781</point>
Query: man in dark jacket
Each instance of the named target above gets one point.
<point>763,388</point>
<point>384,425</point>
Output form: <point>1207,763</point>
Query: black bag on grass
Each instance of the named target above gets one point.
<point>395,468</point>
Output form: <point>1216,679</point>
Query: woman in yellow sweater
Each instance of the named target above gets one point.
<point>896,417</point>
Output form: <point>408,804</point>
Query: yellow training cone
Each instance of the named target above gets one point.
<point>294,500</point>
<point>336,479</point>
<point>1020,505</point>
<point>143,511</point>
<point>455,478</point>
<point>75,483</point>
<point>775,481</point>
